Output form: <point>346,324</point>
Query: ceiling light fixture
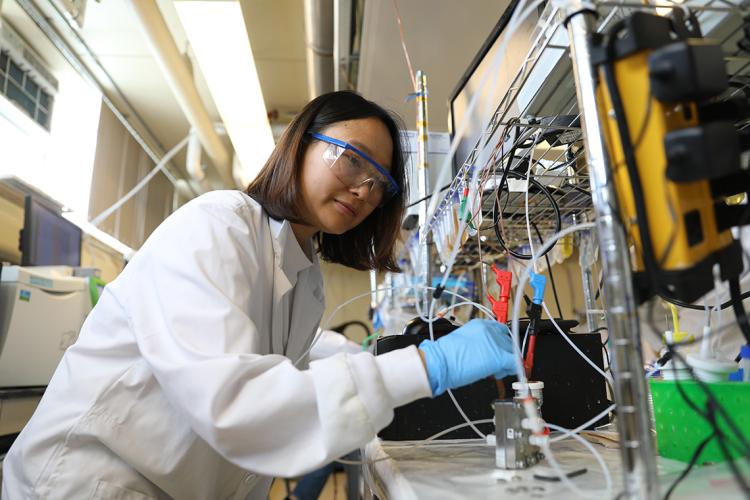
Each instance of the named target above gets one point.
<point>218,37</point>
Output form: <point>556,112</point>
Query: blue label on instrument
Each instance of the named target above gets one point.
<point>25,295</point>
<point>35,280</point>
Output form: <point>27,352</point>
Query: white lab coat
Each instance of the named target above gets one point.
<point>182,383</point>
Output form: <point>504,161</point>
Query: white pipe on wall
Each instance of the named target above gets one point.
<point>319,43</point>
<point>180,80</point>
<point>194,165</point>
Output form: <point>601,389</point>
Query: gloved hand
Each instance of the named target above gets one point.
<point>476,350</point>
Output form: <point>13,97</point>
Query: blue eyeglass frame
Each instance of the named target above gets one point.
<point>346,145</point>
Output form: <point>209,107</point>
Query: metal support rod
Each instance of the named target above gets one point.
<point>636,443</point>
<point>423,176</point>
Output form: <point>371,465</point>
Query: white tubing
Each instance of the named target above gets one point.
<point>575,347</point>
<point>456,427</point>
<point>482,308</point>
<point>596,495</point>
<point>327,321</point>
<point>568,433</point>
<point>518,299</point>
<point>450,392</point>
<point>526,205</point>
<point>534,259</point>
<point>445,169</point>
<point>418,444</point>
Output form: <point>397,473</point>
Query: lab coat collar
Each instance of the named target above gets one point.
<point>289,256</point>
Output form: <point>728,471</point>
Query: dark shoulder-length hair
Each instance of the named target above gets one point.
<point>370,245</point>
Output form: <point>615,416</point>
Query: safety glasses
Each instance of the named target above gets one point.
<point>355,168</point>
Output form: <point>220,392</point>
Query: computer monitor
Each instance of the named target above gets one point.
<point>47,239</point>
<point>468,86</point>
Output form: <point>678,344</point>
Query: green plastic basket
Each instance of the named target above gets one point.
<point>679,429</point>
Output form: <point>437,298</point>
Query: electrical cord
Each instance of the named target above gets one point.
<point>606,353</point>
<point>629,155</point>
<point>403,45</point>
<point>497,212</point>
<point>598,330</point>
<point>711,399</point>
<point>573,345</point>
<point>739,309</point>
<point>724,305</point>
<point>730,462</point>
<point>691,464</point>
<point>710,416</point>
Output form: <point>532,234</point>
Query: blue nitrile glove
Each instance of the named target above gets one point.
<point>477,350</point>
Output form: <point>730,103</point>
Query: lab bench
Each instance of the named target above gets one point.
<point>465,469</point>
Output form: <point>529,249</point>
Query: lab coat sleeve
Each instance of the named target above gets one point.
<point>187,293</point>
<point>328,343</point>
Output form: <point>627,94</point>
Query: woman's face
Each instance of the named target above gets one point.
<point>329,205</point>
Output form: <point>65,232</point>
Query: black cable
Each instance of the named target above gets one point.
<point>723,306</point>
<point>712,399</point>
<point>693,460</point>
<point>428,196</point>
<point>739,309</point>
<point>599,287</point>
<point>630,160</point>
<point>343,326</point>
<point>598,330</point>
<point>609,365</point>
<point>606,352</point>
<point>551,275</point>
<point>730,462</point>
<point>710,416</point>
<point>497,214</point>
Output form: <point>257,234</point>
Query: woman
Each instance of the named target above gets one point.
<point>183,381</point>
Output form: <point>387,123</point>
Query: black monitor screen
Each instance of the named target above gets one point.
<point>47,238</point>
